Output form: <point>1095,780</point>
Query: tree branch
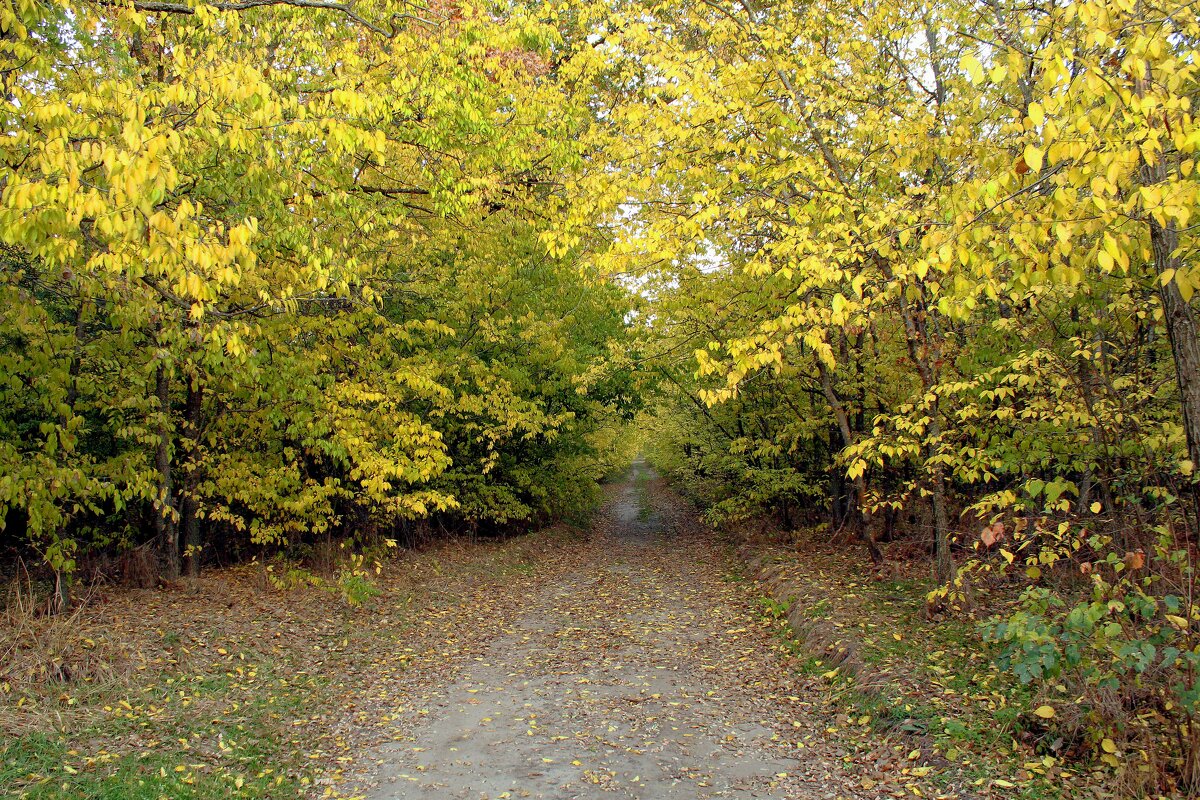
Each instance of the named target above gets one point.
<point>165,7</point>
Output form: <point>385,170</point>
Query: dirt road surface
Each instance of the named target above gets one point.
<point>643,673</point>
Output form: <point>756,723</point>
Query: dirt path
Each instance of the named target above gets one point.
<point>642,674</point>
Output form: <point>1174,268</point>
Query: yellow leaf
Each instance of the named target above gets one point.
<point>1109,746</point>
<point>1045,712</point>
<point>1095,507</point>
<point>1178,622</point>
<point>1033,157</point>
<point>970,65</point>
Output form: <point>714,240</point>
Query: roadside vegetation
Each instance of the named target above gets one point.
<point>922,696</point>
<point>305,285</point>
<point>925,282</point>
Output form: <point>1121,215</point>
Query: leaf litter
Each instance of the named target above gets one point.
<point>628,660</point>
<point>645,669</point>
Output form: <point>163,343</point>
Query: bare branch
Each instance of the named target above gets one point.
<point>166,7</point>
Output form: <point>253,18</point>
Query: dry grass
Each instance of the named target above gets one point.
<point>48,659</point>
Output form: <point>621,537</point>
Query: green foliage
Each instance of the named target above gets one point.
<point>926,269</point>
<point>1133,636</point>
<point>248,305</point>
<point>285,575</point>
<point>356,587</point>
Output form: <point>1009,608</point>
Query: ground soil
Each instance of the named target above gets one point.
<point>643,671</point>
<point>633,658</point>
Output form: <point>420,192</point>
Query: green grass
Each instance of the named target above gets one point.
<point>199,759</point>
<point>515,568</point>
<point>149,777</point>
<point>944,665</point>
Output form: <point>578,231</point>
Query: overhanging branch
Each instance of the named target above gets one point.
<point>164,7</point>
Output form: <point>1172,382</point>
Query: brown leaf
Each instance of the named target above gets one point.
<point>992,534</point>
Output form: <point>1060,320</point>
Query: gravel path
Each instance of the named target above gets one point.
<point>644,673</point>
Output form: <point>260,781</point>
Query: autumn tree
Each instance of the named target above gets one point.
<point>248,248</point>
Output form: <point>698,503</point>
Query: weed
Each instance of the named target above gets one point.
<point>775,609</point>
<point>356,588</point>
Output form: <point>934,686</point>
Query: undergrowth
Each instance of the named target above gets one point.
<point>897,681</point>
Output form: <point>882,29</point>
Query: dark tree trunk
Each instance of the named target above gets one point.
<point>61,599</point>
<point>165,522</point>
<point>920,350</point>
<point>1180,321</point>
<point>861,513</point>
<point>1178,316</point>
<point>192,534</point>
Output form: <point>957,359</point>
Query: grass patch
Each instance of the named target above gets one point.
<point>234,687</point>
<point>641,484</point>
<point>893,678</point>
<point>234,751</point>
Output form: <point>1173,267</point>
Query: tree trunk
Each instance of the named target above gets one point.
<point>60,601</point>
<point>1178,316</point>
<point>941,519</point>
<point>862,519</point>
<point>165,522</point>
<point>1180,321</point>
<point>919,350</point>
<point>190,502</point>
